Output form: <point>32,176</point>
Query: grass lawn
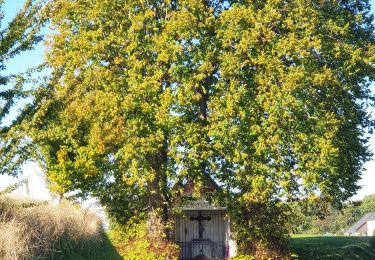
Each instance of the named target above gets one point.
<point>324,247</point>
<point>106,252</point>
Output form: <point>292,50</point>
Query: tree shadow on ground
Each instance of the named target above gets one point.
<point>106,251</point>
<point>322,247</point>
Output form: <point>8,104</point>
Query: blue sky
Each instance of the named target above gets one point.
<point>38,189</point>
<point>28,59</point>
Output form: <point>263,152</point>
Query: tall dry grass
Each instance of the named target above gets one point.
<point>29,230</point>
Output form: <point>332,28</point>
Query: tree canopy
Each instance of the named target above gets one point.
<point>268,98</point>
<point>335,221</point>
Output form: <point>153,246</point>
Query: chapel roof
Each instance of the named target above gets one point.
<point>209,186</point>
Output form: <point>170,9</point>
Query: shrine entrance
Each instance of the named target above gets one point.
<point>202,232</point>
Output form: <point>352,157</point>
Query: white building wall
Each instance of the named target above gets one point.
<point>370,227</point>
<point>232,245</point>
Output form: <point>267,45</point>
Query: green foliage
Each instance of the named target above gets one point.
<point>19,35</point>
<point>104,128</point>
<point>12,187</point>
<point>367,204</point>
<point>334,221</point>
<point>243,257</point>
<point>135,241</point>
<point>269,232</point>
<point>288,119</point>
<point>268,98</point>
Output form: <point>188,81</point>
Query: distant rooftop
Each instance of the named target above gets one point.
<point>353,229</point>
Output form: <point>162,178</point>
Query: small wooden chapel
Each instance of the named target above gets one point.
<point>202,230</point>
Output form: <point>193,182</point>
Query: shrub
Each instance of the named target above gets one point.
<point>262,230</point>
<point>142,240</point>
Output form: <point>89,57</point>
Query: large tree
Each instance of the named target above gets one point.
<point>291,117</point>
<point>268,98</point>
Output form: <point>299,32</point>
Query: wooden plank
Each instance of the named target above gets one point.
<point>215,235</point>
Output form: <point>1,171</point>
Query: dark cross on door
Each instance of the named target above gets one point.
<point>200,219</point>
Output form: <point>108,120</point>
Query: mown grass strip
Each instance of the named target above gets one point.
<point>323,247</point>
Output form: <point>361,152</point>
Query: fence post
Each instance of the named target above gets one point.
<point>27,188</point>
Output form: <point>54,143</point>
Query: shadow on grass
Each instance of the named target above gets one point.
<point>322,247</point>
<point>372,241</point>
<point>104,252</point>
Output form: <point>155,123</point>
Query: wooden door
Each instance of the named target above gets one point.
<point>193,242</point>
